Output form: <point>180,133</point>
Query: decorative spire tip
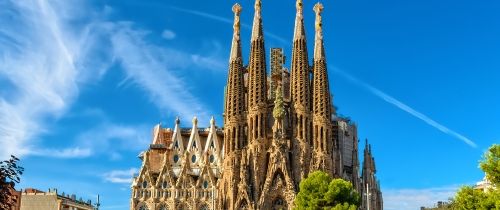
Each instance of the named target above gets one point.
<point>212,121</point>
<point>237,9</point>
<point>258,5</point>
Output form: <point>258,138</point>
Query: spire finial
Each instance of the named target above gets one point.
<point>177,120</point>
<point>212,121</point>
<point>195,121</point>
<point>237,9</point>
<point>258,5</point>
<point>299,22</point>
<point>318,8</point>
<point>257,21</point>
<point>299,6</point>
<point>235,46</point>
<point>318,46</point>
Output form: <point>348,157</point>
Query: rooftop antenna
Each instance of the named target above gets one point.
<point>98,203</point>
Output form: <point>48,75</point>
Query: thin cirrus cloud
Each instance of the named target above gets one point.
<point>42,76</point>
<point>387,98</point>
<point>120,176</point>
<point>41,82</point>
<point>75,152</point>
<point>168,34</point>
<point>393,101</point>
<point>110,139</point>
<point>228,21</point>
<point>406,199</point>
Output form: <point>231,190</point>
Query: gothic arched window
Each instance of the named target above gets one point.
<point>205,184</point>
<point>279,204</point>
<point>176,158</point>
<point>143,207</point>
<point>164,185</point>
<point>204,207</point>
<point>164,207</point>
<point>243,206</point>
<point>212,158</point>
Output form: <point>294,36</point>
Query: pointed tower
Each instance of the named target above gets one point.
<point>372,195</point>
<point>257,90</point>
<point>300,99</point>
<point>234,120</point>
<point>322,124</point>
<point>257,103</point>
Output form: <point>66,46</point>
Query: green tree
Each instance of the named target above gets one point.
<point>469,198</point>
<point>10,174</point>
<point>491,164</point>
<point>320,191</point>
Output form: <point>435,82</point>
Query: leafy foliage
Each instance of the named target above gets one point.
<point>491,164</point>
<point>10,174</point>
<point>469,198</point>
<point>320,191</point>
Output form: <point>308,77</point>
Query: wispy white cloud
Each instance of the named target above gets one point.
<point>391,100</point>
<point>76,152</point>
<point>49,50</point>
<point>228,21</point>
<point>406,199</point>
<point>110,139</point>
<point>120,176</point>
<point>148,66</point>
<point>38,58</point>
<point>168,34</point>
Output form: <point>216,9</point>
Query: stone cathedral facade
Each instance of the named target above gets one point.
<point>278,127</point>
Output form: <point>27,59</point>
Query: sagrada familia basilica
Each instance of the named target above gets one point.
<point>277,129</point>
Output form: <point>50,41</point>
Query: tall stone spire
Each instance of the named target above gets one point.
<point>299,31</point>
<point>236,44</point>
<point>235,95</point>
<point>257,32</point>
<point>300,98</point>
<point>234,119</point>
<point>257,102</point>
<point>322,126</point>
<point>257,90</point>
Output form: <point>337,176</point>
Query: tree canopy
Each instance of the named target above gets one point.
<point>320,191</point>
<point>476,199</point>
<point>10,174</point>
<point>491,164</point>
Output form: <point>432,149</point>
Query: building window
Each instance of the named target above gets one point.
<point>205,184</point>
<point>279,204</point>
<point>204,207</point>
<point>144,184</point>
<point>193,158</point>
<point>143,207</point>
<point>164,185</point>
<point>176,158</point>
<point>212,158</point>
<point>164,207</point>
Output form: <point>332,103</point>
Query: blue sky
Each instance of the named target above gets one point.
<point>82,83</point>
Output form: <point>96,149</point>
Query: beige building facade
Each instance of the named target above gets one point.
<point>277,128</point>
<point>32,199</point>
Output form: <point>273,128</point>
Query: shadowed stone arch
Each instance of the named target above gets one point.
<point>164,206</point>
<point>204,207</point>
<point>279,204</point>
<point>243,205</point>
<point>142,206</point>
